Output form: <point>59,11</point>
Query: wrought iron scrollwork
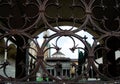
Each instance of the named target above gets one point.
<point>23,19</point>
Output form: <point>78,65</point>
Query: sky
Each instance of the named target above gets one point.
<point>66,42</point>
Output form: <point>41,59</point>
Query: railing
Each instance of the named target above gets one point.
<point>81,82</point>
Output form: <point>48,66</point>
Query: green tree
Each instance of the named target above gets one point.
<point>2,46</point>
<point>12,51</point>
<point>81,60</point>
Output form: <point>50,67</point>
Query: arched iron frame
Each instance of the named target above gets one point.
<point>88,21</point>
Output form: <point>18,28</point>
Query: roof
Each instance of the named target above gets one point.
<point>55,59</point>
<point>58,54</point>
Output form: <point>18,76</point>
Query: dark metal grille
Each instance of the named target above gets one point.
<point>22,20</point>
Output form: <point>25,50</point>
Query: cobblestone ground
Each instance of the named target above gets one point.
<point>10,69</point>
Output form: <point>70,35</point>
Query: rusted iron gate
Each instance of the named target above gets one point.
<point>22,20</point>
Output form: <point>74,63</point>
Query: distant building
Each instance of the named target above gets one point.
<point>62,65</point>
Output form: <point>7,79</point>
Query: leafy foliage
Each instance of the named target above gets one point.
<point>2,45</point>
<point>12,51</point>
